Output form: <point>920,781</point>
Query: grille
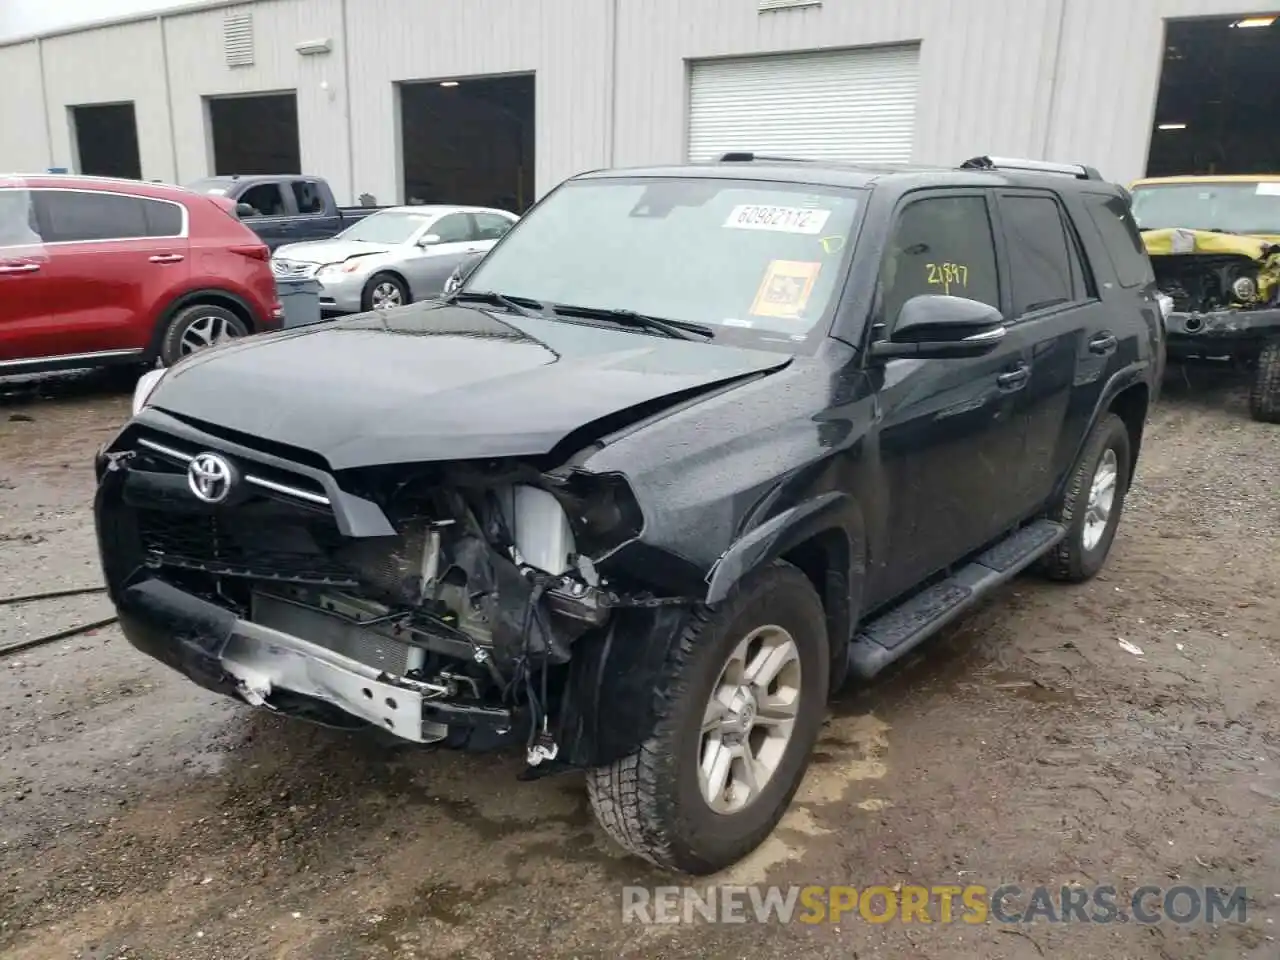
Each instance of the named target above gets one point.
<point>290,269</point>
<point>246,543</point>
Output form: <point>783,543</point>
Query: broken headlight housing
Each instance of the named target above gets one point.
<point>602,511</point>
<point>1245,288</point>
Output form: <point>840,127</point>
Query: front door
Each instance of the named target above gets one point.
<point>953,432</point>
<point>444,245</point>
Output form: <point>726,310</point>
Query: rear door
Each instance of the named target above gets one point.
<point>272,218</point>
<point>114,260</point>
<point>313,219</point>
<point>27,297</point>
<point>1056,313</point>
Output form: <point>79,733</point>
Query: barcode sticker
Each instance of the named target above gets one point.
<point>779,219</point>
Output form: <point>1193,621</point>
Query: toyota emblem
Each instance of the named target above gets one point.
<point>210,477</point>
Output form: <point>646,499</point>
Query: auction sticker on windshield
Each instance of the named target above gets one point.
<point>786,289</point>
<point>751,216</point>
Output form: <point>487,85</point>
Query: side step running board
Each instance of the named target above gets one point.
<point>897,632</point>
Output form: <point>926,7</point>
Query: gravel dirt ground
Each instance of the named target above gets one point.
<point>142,818</point>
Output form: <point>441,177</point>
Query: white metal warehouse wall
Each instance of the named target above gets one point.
<point>1069,79</point>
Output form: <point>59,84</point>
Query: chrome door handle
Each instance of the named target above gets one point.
<point>168,258</point>
<point>1014,378</point>
<point>19,268</point>
<point>1103,344</point>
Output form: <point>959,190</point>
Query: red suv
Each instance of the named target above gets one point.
<point>95,271</point>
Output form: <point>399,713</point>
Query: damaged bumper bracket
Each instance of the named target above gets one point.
<point>237,657</point>
<point>1222,327</point>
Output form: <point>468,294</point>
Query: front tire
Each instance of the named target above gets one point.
<point>1093,503</point>
<point>739,707</point>
<point>383,292</point>
<point>196,327</point>
<point>1264,396</point>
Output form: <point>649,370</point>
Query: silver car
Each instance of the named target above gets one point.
<point>392,257</point>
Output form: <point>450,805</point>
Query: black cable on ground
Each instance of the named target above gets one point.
<point>51,595</point>
<point>54,637</point>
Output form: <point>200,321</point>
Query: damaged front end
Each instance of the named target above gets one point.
<point>467,604</point>
<point>1225,290</point>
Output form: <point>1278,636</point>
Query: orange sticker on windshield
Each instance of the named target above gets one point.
<point>786,289</point>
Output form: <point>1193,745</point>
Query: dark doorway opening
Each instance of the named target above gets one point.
<point>469,141</point>
<point>1217,106</point>
<point>255,134</point>
<point>106,137</point>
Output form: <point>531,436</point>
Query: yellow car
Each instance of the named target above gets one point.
<point>1214,243</point>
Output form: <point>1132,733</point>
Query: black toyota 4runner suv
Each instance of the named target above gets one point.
<point>689,447</point>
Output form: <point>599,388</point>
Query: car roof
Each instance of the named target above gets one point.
<point>1211,178</point>
<point>142,188</point>
<point>858,176</point>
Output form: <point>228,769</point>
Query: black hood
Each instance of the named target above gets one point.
<point>436,382</point>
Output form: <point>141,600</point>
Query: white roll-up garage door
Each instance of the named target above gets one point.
<point>851,105</point>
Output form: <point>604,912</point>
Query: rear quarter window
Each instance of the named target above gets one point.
<point>1121,238</point>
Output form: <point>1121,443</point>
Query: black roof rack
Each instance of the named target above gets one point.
<point>746,156</point>
<point>1077,170</point>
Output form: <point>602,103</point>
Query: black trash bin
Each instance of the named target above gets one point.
<point>300,299</point>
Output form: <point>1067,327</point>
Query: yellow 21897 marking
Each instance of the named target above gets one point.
<point>947,275</point>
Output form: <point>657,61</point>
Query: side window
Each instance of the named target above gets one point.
<point>266,200</point>
<point>1122,239</point>
<point>306,193</point>
<point>941,245</point>
<point>163,219</point>
<point>84,215</point>
<point>18,224</point>
<point>452,228</point>
<point>1042,258</point>
<point>490,226</point>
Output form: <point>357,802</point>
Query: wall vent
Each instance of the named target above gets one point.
<point>766,5</point>
<point>237,39</point>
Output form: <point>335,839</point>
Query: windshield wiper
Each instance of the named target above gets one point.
<point>676,329</point>
<point>518,305</point>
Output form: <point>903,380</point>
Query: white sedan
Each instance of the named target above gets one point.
<point>394,256</point>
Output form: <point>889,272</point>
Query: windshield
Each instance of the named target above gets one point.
<point>387,227</point>
<point>755,261</point>
<point>1250,208</point>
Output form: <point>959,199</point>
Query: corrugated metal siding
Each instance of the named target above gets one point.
<point>984,78</point>
<point>836,105</point>
<point>993,75</point>
<point>565,43</point>
<point>1109,77</point>
<point>110,65</point>
<point>198,67</point>
<point>23,135</point>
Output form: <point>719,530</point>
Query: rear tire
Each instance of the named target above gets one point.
<point>197,326</point>
<point>655,803</point>
<point>1093,503</point>
<point>1264,397</point>
<point>384,291</point>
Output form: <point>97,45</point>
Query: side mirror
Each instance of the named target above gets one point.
<point>428,239</point>
<point>940,327</point>
<point>244,210</point>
